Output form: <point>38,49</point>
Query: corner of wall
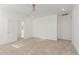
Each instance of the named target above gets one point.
<point>76,46</point>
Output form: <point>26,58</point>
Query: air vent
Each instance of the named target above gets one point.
<point>64,14</point>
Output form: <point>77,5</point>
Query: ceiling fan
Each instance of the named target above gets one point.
<point>33,11</point>
<point>33,7</point>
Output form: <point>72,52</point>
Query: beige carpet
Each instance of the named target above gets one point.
<point>36,46</point>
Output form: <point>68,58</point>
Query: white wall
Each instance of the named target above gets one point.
<point>12,30</point>
<point>8,24</point>
<point>64,27</point>
<point>28,27</point>
<point>19,28</point>
<point>3,27</point>
<point>75,27</point>
<point>45,27</point>
<point>14,20</point>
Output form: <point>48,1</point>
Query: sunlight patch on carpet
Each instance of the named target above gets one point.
<point>17,45</point>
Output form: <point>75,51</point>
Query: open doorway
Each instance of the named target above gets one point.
<point>22,29</point>
<point>20,25</point>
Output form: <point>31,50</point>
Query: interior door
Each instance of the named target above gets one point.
<point>12,29</point>
<point>64,25</point>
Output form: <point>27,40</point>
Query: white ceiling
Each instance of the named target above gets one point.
<point>41,9</point>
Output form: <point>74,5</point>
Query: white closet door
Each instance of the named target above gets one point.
<point>64,27</point>
<point>12,30</point>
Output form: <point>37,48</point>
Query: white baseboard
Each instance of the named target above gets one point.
<point>44,38</point>
<point>64,39</point>
<point>6,42</point>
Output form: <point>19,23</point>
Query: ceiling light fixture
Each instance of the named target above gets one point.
<point>33,7</point>
<point>33,10</point>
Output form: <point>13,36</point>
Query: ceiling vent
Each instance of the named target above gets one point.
<point>65,14</point>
